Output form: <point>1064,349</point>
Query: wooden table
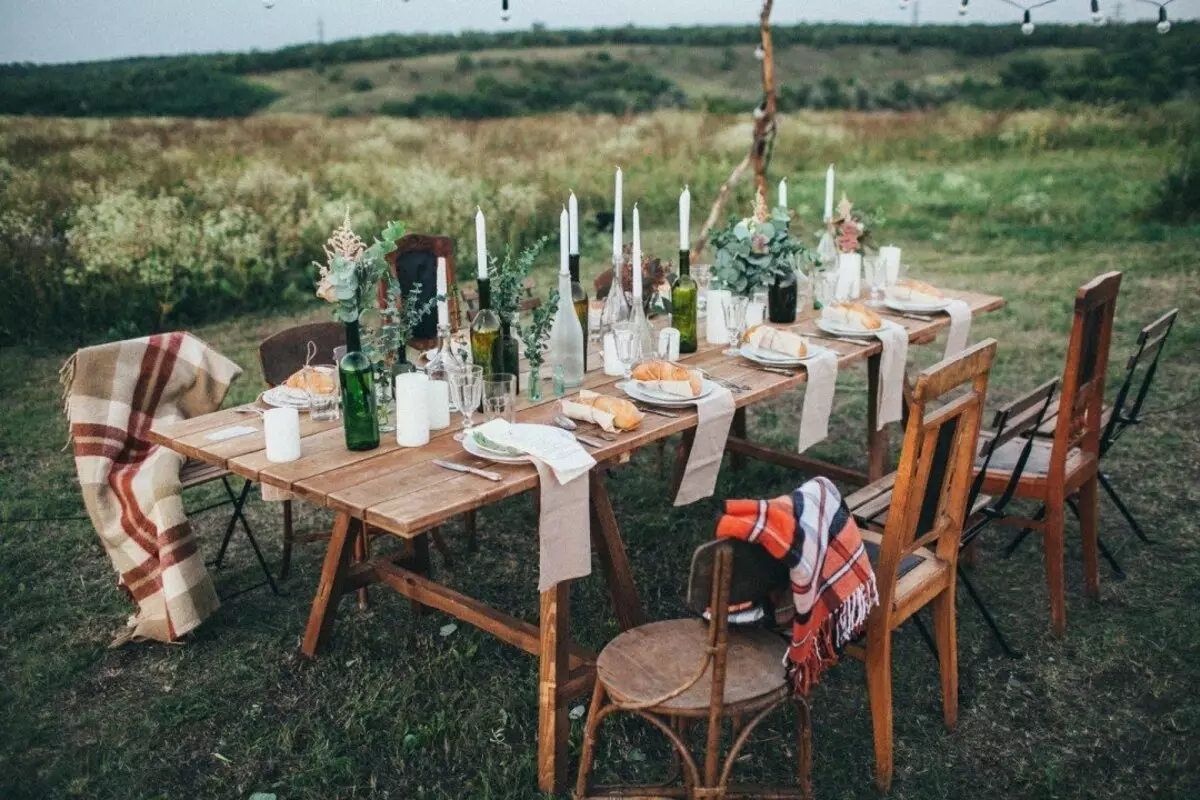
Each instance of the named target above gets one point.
<point>399,491</point>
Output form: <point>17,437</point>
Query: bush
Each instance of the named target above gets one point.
<point>363,84</point>
<point>464,63</point>
<point>1178,196</point>
<point>338,112</point>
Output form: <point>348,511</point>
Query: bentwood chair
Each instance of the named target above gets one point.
<point>280,356</point>
<point>1124,413</point>
<point>1067,465</point>
<point>914,546</point>
<point>676,672</point>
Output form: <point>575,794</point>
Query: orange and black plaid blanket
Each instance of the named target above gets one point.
<point>115,392</point>
<point>833,585</point>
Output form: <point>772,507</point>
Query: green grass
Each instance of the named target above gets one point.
<point>395,709</point>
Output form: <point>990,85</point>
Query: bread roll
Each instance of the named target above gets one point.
<point>322,381</point>
<point>852,315</point>
<point>664,372</point>
<point>610,413</point>
<point>764,337</point>
<point>910,291</point>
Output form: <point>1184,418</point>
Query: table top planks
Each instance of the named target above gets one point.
<point>402,491</point>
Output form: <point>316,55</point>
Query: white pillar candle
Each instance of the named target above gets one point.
<point>783,193</point>
<point>829,193</point>
<point>439,405</point>
<point>618,236</point>
<point>755,312</point>
<point>443,309</point>
<point>412,409</point>
<point>573,211</point>
<point>668,344</point>
<point>637,255</point>
<point>481,242</point>
<point>612,364</point>
<point>564,244</point>
<point>849,279</point>
<point>281,429</point>
<point>715,330</point>
<point>891,262</point>
<point>685,214</point>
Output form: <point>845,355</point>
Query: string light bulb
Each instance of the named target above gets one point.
<point>1097,14</point>
<point>962,8</point>
<point>268,4</point>
<point>904,5</point>
<point>1027,24</point>
<point>1164,24</point>
<point>759,53</point>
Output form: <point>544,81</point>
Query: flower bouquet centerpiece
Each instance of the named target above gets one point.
<point>759,252</point>
<point>850,235</point>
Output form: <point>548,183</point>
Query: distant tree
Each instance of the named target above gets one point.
<point>362,84</point>
<point>464,63</point>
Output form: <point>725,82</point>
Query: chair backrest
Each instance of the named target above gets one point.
<point>1082,400</point>
<point>282,353</point>
<point>933,480</point>
<point>1144,360</point>
<point>1019,420</point>
<point>415,261</point>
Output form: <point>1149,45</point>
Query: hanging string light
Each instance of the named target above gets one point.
<point>962,8</point>
<point>1097,15</point>
<point>1164,24</point>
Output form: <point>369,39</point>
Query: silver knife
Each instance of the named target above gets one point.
<point>589,441</point>
<point>778,371</point>
<point>658,411</point>
<point>483,473</point>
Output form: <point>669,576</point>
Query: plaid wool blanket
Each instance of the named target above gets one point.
<point>833,585</point>
<point>114,393</point>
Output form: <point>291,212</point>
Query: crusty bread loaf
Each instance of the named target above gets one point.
<point>323,381</point>
<point>650,371</point>
<point>910,291</point>
<point>852,315</point>
<point>764,337</point>
<point>625,415</point>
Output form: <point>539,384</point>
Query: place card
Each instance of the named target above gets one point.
<point>231,433</point>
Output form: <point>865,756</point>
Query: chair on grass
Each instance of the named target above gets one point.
<point>1055,469</point>
<point>676,672</point>
<point>914,545</point>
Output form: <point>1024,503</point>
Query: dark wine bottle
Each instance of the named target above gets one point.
<point>579,298</point>
<point>485,332</point>
<point>684,294</point>
<point>359,422</point>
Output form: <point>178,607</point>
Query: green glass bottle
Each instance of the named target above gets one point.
<point>359,420</point>
<point>485,332</point>
<point>684,294</point>
<point>579,298</point>
<point>510,350</point>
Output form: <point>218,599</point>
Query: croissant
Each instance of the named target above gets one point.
<point>323,382</point>
<point>610,413</point>
<point>665,371</point>
<point>852,315</point>
<point>764,337</point>
<point>915,292</point>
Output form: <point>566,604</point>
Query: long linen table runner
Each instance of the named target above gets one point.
<point>894,339</point>
<point>564,521</point>
<point>822,372</point>
<point>960,327</point>
<point>714,416</point>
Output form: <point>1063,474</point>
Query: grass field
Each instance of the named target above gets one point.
<point>1027,206</point>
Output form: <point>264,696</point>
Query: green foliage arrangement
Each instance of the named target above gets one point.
<point>508,277</point>
<point>752,252</point>
<point>534,334</point>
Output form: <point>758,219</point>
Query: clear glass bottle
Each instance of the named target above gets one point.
<point>827,260</point>
<point>616,307</point>
<point>579,299</point>
<point>444,361</point>
<point>684,301</point>
<point>485,332</point>
<point>566,336</point>
<point>356,373</point>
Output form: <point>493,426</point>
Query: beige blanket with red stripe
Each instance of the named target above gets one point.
<point>115,392</point>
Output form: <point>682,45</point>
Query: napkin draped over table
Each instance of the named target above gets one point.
<point>891,374</point>
<point>115,393</point>
<point>822,372</point>
<point>960,327</point>
<point>714,415</point>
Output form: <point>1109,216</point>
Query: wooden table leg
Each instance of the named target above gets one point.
<point>553,725</point>
<point>606,538</point>
<point>329,591</point>
<point>362,552</point>
<point>419,563</point>
<point>877,440</point>
<point>738,429</point>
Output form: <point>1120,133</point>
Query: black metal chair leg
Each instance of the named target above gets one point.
<point>997,634</point>
<point>1118,572</point>
<point>925,634</point>
<point>1125,512</point>
<point>1020,537</point>
<point>219,561</point>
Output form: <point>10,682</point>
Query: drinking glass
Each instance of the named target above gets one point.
<point>500,397</point>
<point>702,273</point>
<point>876,269</point>
<point>756,310</point>
<point>901,290</point>
<point>466,390</point>
<point>595,315</point>
<point>825,285</point>
<point>321,386</point>
<point>626,338</point>
<point>734,307</point>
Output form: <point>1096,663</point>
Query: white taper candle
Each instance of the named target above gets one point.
<point>443,309</point>
<point>481,242</point>
<point>685,218</point>
<point>564,244</point>
<point>637,255</point>
<point>573,211</point>
<point>829,193</point>
<point>783,193</point>
<point>617,232</point>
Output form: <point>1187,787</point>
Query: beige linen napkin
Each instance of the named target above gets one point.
<point>822,372</point>
<point>891,373</point>
<point>960,327</point>
<point>714,416</point>
<point>564,524</point>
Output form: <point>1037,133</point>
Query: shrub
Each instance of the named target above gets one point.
<point>1178,196</point>
<point>363,84</point>
<point>464,63</point>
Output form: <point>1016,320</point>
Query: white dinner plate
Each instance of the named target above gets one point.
<point>833,329</point>
<point>919,308</point>
<point>285,397</point>
<point>637,391</point>
<point>476,449</point>
<point>770,358</point>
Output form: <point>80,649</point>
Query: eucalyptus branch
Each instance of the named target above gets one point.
<point>534,334</point>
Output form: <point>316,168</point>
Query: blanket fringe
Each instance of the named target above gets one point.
<point>66,379</point>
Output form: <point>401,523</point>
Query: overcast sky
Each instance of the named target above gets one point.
<point>85,30</point>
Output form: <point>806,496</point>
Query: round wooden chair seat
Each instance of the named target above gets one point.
<point>654,659</point>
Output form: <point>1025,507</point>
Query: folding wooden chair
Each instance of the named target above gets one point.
<point>916,554</point>
<point>674,672</point>
<point>1060,467</point>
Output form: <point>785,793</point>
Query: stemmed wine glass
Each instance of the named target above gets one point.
<point>625,336</point>
<point>702,274</point>
<point>466,390</point>
<point>734,307</point>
